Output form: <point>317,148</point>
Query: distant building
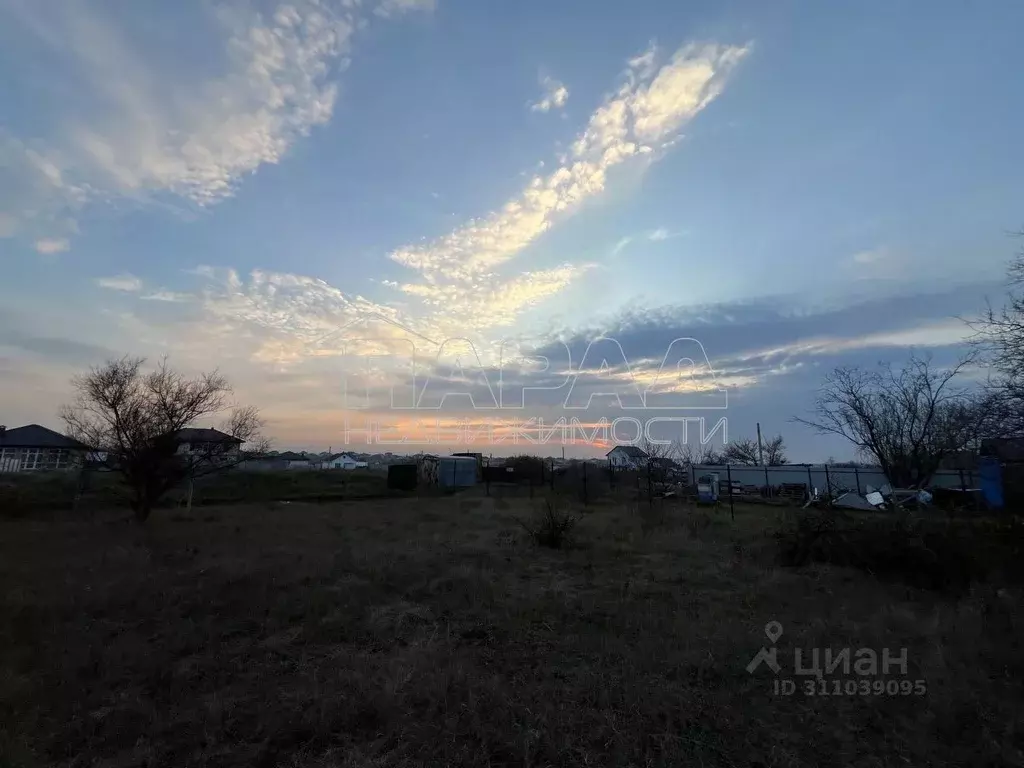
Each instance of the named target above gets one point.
<point>626,457</point>
<point>209,444</point>
<point>34,448</point>
<point>292,460</point>
<point>342,461</point>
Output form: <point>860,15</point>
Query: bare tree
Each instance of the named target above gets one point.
<point>655,452</point>
<point>746,452</point>
<point>687,453</point>
<point>657,458</point>
<point>775,452</point>
<point>742,451</point>
<point>136,419</point>
<point>999,341</point>
<point>908,420</point>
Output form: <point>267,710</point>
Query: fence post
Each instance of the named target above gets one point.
<point>856,474</point>
<point>638,494</point>
<point>728,476</point>
<point>552,474</point>
<point>828,482</point>
<point>963,486</point>
<point>191,484</point>
<point>810,484</point>
<point>79,488</point>
<point>611,474</point>
<point>455,478</point>
<point>650,488</point>
<point>585,499</point>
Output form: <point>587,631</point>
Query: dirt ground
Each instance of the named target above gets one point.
<point>433,632</point>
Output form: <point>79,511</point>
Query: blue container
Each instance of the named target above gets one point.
<point>991,481</point>
<point>456,471</point>
<point>707,489</point>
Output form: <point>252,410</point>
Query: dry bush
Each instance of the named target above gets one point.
<point>550,526</point>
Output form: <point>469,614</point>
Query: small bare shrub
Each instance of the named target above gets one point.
<point>550,526</point>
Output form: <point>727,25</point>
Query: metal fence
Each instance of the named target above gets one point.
<point>824,476</point>
<point>795,483</point>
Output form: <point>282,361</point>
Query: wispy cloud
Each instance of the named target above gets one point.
<point>872,256</point>
<point>464,286</point>
<point>641,119</point>
<point>622,244</point>
<point>123,282</point>
<point>285,317</point>
<point>881,263</point>
<point>388,8</point>
<point>658,235</point>
<point>167,296</point>
<point>147,132</point>
<point>654,236</point>
<point>939,333</point>
<point>555,96</point>
<point>48,245</point>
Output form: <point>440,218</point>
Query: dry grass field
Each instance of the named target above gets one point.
<point>401,632</point>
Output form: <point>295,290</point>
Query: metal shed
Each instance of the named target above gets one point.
<point>448,471</point>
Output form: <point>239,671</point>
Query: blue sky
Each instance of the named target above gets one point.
<point>236,183</point>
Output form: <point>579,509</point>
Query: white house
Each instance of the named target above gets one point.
<point>626,457</point>
<point>342,461</point>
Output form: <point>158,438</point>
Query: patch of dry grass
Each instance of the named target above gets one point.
<point>432,631</point>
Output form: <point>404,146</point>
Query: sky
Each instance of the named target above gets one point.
<point>502,226</point>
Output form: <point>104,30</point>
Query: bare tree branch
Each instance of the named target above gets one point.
<point>775,452</point>
<point>686,453</point>
<point>745,452</point>
<point>999,341</point>
<point>742,451</point>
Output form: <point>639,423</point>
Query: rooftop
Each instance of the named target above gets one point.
<point>35,436</point>
<point>196,435</point>
<point>629,450</point>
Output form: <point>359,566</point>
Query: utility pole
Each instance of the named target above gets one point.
<point>760,451</point>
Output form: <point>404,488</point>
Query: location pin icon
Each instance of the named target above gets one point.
<point>773,630</point>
